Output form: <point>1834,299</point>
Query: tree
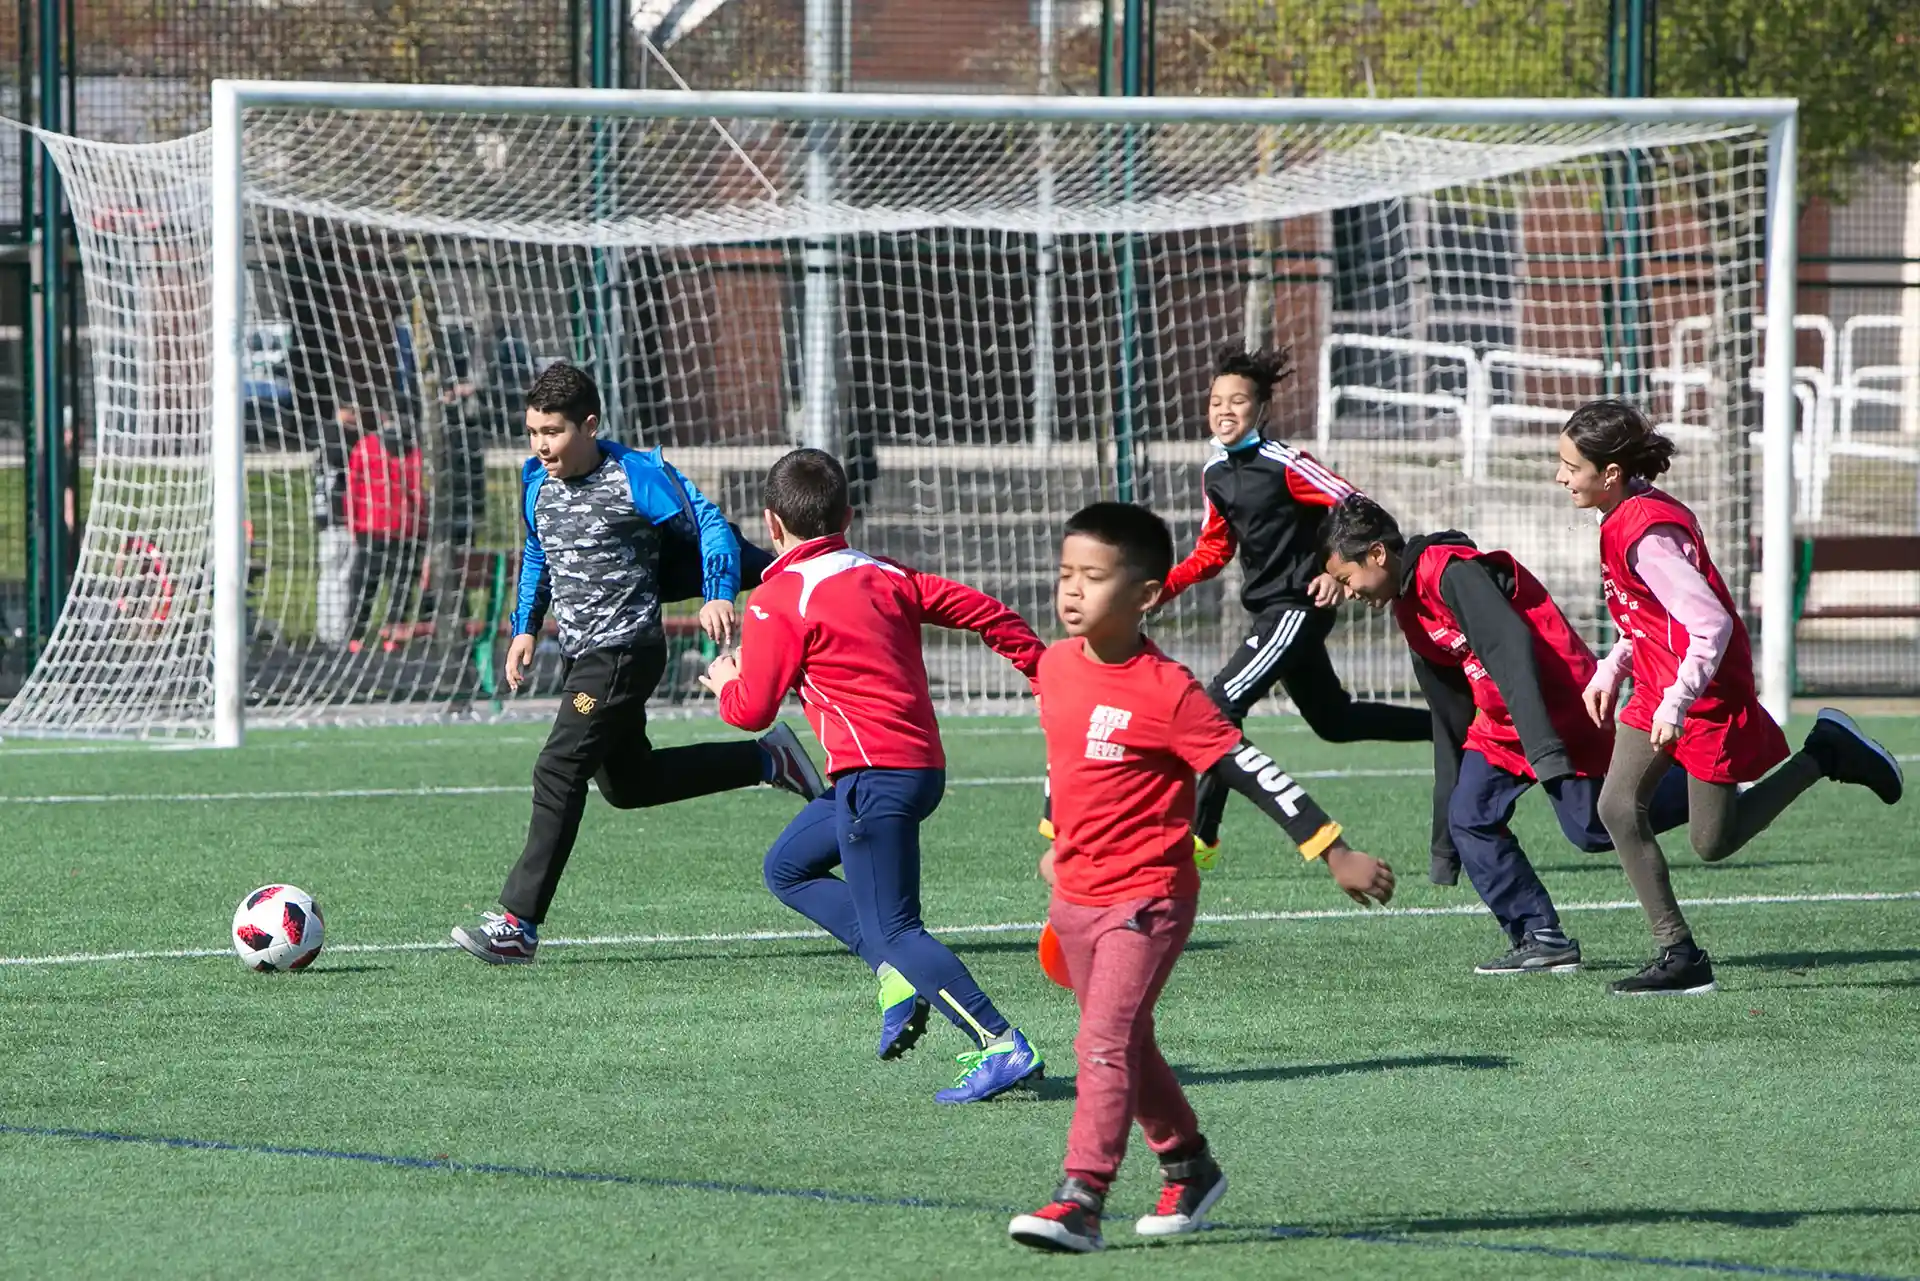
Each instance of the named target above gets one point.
<point>1853,64</point>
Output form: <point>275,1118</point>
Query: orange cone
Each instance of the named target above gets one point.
<point>1053,958</point>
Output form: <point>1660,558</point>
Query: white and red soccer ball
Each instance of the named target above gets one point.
<point>277,927</point>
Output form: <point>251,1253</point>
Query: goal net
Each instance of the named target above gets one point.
<point>994,310</point>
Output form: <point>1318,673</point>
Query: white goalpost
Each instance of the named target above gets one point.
<point>310,328</point>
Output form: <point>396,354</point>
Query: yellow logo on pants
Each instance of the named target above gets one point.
<point>583,703</point>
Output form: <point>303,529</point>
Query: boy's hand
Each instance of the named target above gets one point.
<point>1046,866</point>
<point>716,620</point>
<point>723,672</point>
<point>1360,876</point>
<point>519,659</point>
<point>1599,702</point>
<point>1324,591</point>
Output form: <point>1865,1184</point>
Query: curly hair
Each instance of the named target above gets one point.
<point>1265,369</point>
<point>565,390</point>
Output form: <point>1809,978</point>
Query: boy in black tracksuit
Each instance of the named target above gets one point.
<point>1266,499</point>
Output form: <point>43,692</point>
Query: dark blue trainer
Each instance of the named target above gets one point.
<point>901,1025</point>
<point>995,1070</point>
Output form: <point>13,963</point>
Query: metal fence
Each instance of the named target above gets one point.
<point>139,70</point>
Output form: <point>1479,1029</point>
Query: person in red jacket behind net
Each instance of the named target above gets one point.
<point>842,628</point>
<point>386,510</point>
<point>1265,500</point>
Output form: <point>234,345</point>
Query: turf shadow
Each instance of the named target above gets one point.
<point>1834,985</point>
<point>1026,945</point>
<point>1303,1071</point>
<point>1063,1086</point>
<point>1681,859</point>
<point>1799,962</point>
<point>642,956</point>
<point>1636,1216</point>
<point>720,952</point>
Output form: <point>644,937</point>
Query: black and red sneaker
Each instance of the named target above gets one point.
<point>1192,1188</point>
<point>1068,1224</point>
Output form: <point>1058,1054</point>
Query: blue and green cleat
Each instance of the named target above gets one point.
<point>993,1071</point>
<point>903,1015</point>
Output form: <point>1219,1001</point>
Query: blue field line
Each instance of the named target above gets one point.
<point>833,1196</point>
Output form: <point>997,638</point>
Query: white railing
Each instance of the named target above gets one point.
<point>1827,394</point>
<point>1856,386</point>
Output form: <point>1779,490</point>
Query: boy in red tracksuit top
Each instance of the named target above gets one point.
<point>843,629</point>
<point>1503,672</point>
<point>1127,729</point>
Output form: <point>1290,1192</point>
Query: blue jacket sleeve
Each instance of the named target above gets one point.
<point>536,588</point>
<point>719,549</point>
<point>665,497</point>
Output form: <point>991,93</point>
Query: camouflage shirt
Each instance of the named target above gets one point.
<point>603,558</point>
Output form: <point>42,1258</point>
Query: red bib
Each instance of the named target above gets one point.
<point>1728,737</point>
<point>1564,661</point>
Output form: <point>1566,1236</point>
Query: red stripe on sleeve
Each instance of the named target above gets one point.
<point>1212,552</point>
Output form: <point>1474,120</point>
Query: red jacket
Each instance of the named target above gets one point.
<point>384,492</point>
<point>843,628</point>
<point>1728,737</point>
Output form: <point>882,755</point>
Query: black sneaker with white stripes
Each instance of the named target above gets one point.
<point>1543,952</point>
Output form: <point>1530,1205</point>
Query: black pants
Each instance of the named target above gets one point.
<point>600,734</point>
<point>395,562</point>
<point>1288,646</point>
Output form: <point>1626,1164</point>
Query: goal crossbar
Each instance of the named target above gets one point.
<point>1568,129</point>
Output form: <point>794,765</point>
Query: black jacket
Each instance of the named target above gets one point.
<point>1480,594</point>
<point>1267,502</point>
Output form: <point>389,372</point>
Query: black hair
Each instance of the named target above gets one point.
<point>1264,369</point>
<point>1143,540</point>
<point>1356,523</point>
<point>1613,431</point>
<point>807,490</point>
<point>565,390</point>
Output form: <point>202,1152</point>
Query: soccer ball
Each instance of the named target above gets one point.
<point>277,927</point>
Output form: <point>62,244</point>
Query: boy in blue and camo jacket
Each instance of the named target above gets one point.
<point>613,532</point>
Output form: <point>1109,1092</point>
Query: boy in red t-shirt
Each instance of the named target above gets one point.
<point>1127,730</point>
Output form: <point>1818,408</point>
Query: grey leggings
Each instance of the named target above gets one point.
<point>1720,820</point>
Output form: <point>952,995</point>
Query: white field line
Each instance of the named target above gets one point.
<point>1001,927</point>
<point>365,793</point>
<point>362,793</point>
<point>267,741</point>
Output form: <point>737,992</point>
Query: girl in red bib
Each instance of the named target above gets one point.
<point>1693,701</point>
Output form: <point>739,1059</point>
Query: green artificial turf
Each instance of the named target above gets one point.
<point>660,1103</point>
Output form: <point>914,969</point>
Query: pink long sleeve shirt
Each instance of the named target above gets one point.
<point>1668,562</point>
